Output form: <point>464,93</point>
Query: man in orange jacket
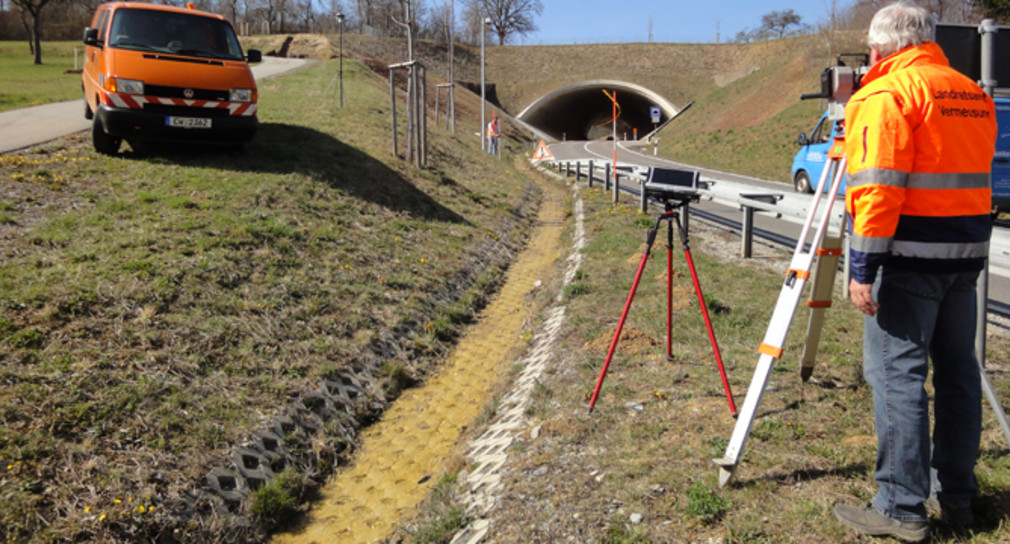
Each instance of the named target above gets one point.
<point>493,132</point>
<point>919,142</point>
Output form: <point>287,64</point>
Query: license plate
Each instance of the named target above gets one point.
<point>187,122</point>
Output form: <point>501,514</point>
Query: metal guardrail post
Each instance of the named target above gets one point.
<point>606,182</point>
<point>644,204</point>
<point>617,186</point>
<point>747,232</point>
<point>747,228</point>
<point>591,173</point>
<point>578,170</point>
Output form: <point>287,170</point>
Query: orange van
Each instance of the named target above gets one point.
<point>157,72</point>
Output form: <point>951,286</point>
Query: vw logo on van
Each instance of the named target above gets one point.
<point>188,93</point>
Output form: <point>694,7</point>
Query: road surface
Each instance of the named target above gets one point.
<point>726,189</point>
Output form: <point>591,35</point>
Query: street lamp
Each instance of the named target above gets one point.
<point>483,123</point>
<point>340,71</point>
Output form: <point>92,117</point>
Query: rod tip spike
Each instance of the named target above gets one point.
<point>806,372</point>
<point>726,468</point>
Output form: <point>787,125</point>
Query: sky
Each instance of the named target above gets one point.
<point>565,22</point>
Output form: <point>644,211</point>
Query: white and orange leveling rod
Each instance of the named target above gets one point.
<point>827,250</point>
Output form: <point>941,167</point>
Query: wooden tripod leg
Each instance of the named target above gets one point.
<point>820,300</point>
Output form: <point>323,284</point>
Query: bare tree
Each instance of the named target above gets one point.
<point>376,17</point>
<point>31,11</point>
<point>437,24</point>
<point>778,22</point>
<point>510,18</point>
<point>995,9</point>
<point>470,20</point>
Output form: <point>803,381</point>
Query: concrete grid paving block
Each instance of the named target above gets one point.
<point>489,451</point>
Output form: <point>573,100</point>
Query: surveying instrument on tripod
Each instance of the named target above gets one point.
<point>676,189</point>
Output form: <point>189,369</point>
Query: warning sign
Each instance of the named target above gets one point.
<point>542,152</point>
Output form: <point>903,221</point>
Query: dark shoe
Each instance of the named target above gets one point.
<point>871,522</point>
<point>956,517</point>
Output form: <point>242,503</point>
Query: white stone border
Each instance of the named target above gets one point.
<point>489,451</point>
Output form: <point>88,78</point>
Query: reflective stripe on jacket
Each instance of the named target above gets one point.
<point>919,141</point>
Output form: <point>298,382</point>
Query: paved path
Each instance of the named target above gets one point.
<point>26,127</point>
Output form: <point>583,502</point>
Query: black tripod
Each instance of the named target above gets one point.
<point>672,216</point>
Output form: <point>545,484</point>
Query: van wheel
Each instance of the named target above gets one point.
<point>88,114</point>
<point>103,142</point>
<point>801,183</point>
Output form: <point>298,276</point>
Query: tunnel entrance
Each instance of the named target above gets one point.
<point>582,112</point>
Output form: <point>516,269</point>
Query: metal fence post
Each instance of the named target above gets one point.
<point>591,173</point>
<point>747,233</point>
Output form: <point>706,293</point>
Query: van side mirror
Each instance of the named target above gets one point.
<point>802,140</point>
<point>254,55</point>
<point>90,36</point>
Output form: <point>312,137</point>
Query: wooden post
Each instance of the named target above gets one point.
<point>392,104</point>
<point>424,106</point>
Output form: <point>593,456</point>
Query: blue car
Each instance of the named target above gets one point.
<point>1001,162</point>
<point>808,164</point>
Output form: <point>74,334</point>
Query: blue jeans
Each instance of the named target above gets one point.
<point>923,316</point>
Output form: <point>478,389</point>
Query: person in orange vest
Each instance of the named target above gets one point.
<point>493,131</point>
<point>919,142</point>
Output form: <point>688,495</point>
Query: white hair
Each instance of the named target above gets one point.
<point>900,25</point>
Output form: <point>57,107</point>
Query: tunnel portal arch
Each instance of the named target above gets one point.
<point>582,112</point>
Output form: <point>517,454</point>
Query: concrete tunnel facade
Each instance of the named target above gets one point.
<point>582,111</point>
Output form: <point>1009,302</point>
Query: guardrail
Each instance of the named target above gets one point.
<point>748,202</point>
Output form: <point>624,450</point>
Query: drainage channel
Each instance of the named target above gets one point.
<point>489,452</point>
<point>406,453</point>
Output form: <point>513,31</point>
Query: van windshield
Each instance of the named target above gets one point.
<point>172,32</point>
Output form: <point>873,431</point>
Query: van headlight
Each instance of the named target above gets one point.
<point>240,95</point>
<point>128,86</point>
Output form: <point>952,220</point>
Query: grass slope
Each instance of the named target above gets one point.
<point>158,308</point>
<point>638,469</point>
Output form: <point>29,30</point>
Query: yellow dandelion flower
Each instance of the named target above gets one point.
<point>101,517</point>
<point>87,509</point>
<point>117,501</point>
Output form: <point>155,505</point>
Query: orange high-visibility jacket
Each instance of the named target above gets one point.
<point>492,128</point>
<point>919,141</point>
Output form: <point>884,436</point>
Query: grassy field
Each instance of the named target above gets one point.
<point>158,308</point>
<point>638,469</point>
<point>25,83</point>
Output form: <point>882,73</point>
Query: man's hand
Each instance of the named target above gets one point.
<point>861,295</point>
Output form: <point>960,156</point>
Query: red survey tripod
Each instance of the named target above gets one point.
<point>672,216</point>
